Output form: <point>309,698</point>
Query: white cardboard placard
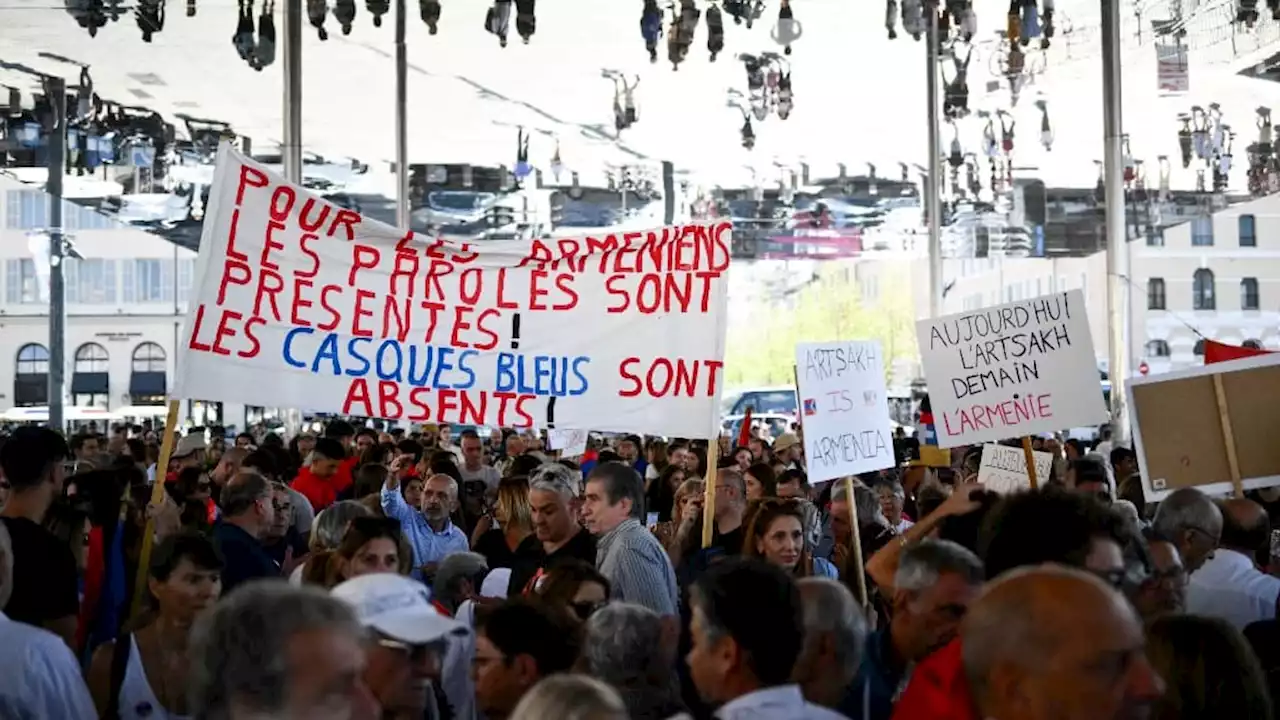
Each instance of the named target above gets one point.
<point>1012,370</point>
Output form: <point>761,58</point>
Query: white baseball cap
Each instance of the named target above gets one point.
<point>398,607</point>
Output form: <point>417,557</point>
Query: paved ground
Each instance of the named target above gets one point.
<point>859,96</point>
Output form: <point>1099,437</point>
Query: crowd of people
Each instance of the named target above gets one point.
<point>357,573</point>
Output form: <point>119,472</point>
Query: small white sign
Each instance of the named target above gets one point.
<point>846,414</point>
<point>1012,370</point>
<point>1004,468</point>
<point>570,443</point>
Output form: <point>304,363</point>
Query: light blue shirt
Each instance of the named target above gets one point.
<point>783,701</point>
<point>428,545</point>
<point>41,678</point>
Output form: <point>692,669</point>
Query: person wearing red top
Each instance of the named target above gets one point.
<point>1042,642</point>
<point>329,474</point>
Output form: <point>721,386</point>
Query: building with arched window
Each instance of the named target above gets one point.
<point>1226,289</point>
<point>126,299</point>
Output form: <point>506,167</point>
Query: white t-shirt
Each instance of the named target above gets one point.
<point>41,678</point>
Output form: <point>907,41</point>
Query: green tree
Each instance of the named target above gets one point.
<point>763,332</point>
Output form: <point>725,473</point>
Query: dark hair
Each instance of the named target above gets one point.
<point>1089,470</point>
<point>184,545</point>
<point>410,447</point>
<point>608,456</point>
<point>446,467</point>
<point>764,474</point>
<point>29,455</point>
<point>734,594</point>
<point>620,481</point>
<point>1210,670</point>
<point>367,432</point>
<point>369,479</point>
<point>563,578</point>
<point>1045,526</point>
<point>1245,537</point>
<point>247,436</point>
<point>65,520</point>
<point>78,440</point>
<point>523,627</point>
<point>469,434</point>
<point>966,529</point>
<point>262,461</point>
<point>137,449</point>
<point>336,430</point>
<point>523,465</point>
<point>1121,453</point>
<point>330,449</point>
<point>794,476</point>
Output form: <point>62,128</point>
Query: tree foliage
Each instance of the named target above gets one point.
<point>763,332</point>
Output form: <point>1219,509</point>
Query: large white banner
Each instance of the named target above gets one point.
<point>846,411</point>
<point>1012,370</point>
<point>300,303</point>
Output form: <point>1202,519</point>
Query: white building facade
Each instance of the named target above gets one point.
<point>126,300</point>
<point>1216,277</point>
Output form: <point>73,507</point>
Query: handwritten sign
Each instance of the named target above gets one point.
<point>1012,370</point>
<point>846,412</point>
<point>570,443</point>
<point>1004,468</point>
<point>300,303</point>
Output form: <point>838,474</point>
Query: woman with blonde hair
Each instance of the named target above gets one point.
<point>570,697</point>
<point>776,533</point>
<point>512,540</point>
<point>685,508</point>
<point>371,545</point>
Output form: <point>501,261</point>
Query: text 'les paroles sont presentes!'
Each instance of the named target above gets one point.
<point>422,312</point>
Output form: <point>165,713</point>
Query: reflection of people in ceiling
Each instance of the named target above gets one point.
<point>89,14</point>
<point>266,53</point>
<point>316,12</point>
<point>526,20</point>
<point>244,38</point>
<point>150,17</point>
<point>345,12</point>
<point>430,11</point>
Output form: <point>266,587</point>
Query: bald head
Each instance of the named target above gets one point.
<point>1245,526</point>
<point>1035,629</point>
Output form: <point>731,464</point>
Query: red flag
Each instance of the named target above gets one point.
<point>1216,352</point>
<point>744,432</point>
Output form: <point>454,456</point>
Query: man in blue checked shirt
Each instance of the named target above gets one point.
<point>428,530</point>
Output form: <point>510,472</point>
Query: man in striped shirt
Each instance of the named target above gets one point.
<point>630,556</point>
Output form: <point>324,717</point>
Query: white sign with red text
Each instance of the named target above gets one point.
<point>301,303</point>
<point>845,409</point>
<point>1012,370</point>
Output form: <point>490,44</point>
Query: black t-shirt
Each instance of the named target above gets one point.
<point>243,556</point>
<point>582,546</point>
<point>493,546</point>
<point>46,582</point>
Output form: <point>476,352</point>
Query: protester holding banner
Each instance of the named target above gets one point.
<point>1017,592</point>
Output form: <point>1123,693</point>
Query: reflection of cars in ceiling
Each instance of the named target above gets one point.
<point>336,171</point>
<point>453,208</point>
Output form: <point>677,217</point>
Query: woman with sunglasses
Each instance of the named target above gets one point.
<point>370,545</point>
<point>575,586</point>
<point>776,533</point>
